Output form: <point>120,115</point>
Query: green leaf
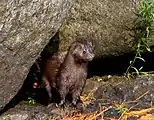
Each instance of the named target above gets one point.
<point>148,49</point>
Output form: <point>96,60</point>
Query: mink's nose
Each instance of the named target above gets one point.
<point>91,57</point>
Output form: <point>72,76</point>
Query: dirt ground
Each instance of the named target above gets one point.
<point>104,98</point>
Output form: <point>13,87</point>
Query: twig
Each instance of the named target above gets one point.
<point>101,113</point>
<point>142,95</point>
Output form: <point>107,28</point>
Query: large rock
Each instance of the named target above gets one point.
<point>26,26</point>
<point>108,22</point>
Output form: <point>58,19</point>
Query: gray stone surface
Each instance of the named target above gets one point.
<point>108,22</point>
<point>26,26</point>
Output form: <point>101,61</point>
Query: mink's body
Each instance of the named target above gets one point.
<point>73,72</point>
<point>50,72</point>
<point>68,72</point>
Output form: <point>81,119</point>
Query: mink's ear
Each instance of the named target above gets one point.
<point>77,49</point>
<point>74,49</point>
<point>92,45</point>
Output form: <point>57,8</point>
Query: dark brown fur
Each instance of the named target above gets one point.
<point>50,72</point>
<point>73,72</point>
<point>68,72</point>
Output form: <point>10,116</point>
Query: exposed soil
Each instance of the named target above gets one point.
<point>105,98</point>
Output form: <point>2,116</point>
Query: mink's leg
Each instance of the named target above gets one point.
<point>77,92</point>
<point>48,87</point>
<point>63,93</point>
<point>76,96</point>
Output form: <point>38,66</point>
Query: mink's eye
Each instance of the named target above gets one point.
<point>84,52</point>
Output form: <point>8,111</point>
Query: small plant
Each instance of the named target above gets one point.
<point>31,101</point>
<point>142,32</point>
<point>121,108</point>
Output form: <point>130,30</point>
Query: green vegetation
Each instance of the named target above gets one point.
<point>121,108</point>
<point>142,32</point>
<point>31,101</point>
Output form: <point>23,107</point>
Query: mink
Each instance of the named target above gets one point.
<point>73,72</point>
<point>50,72</point>
<point>67,71</point>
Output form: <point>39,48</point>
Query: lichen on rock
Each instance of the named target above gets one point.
<point>108,22</point>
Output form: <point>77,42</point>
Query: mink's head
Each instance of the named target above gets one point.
<point>82,50</point>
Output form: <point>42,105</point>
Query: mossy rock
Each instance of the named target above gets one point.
<point>109,22</point>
